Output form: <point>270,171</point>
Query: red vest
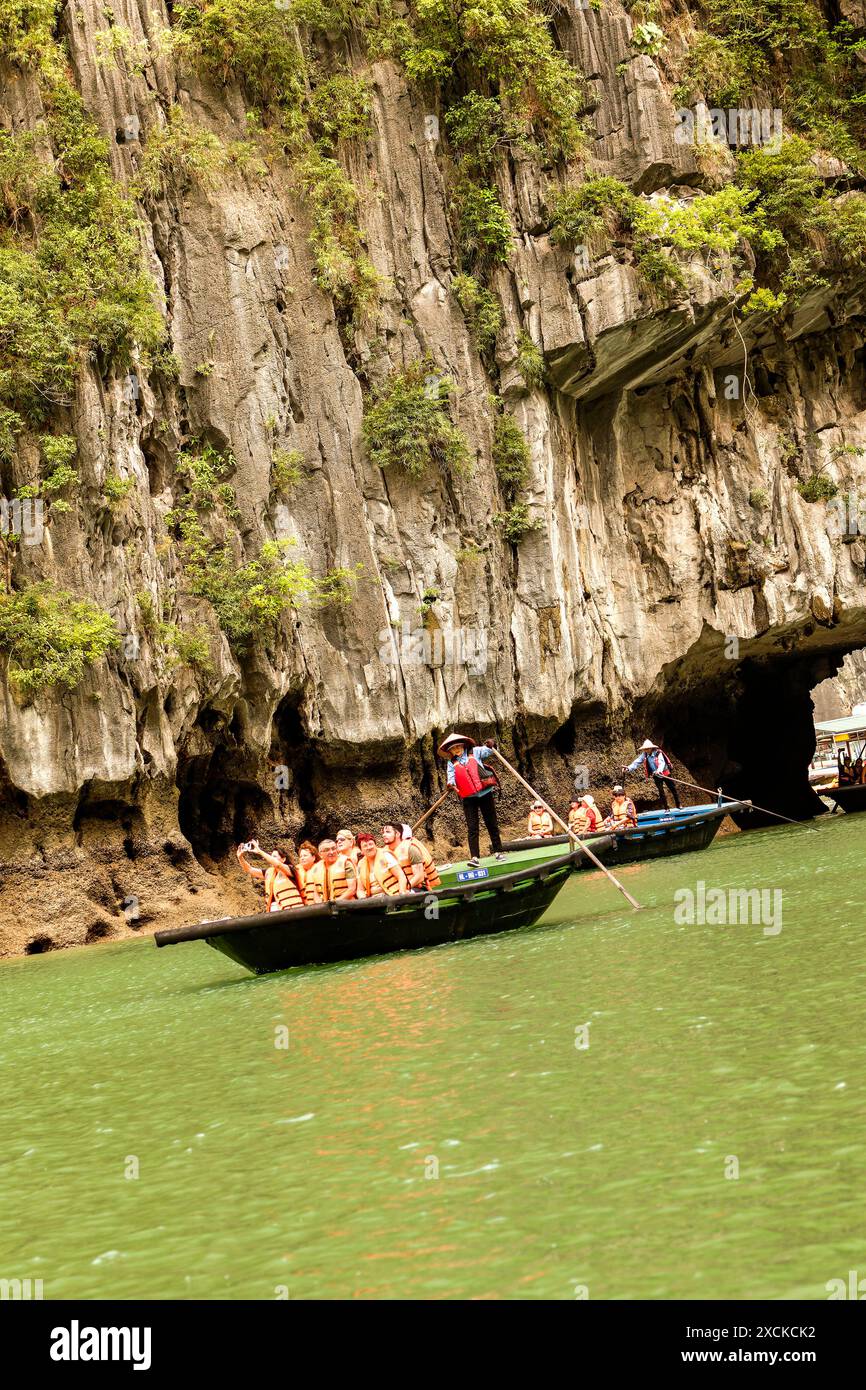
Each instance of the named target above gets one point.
<point>470,777</point>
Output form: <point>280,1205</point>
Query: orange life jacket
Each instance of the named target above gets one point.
<point>470,777</point>
<point>583,820</point>
<point>307,882</point>
<point>383,878</point>
<point>622,811</point>
<point>540,823</point>
<point>330,881</point>
<point>281,886</point>
<point>428,863</point>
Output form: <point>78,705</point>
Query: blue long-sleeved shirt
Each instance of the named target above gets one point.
<point>656,761</point>
<point>480,753</point>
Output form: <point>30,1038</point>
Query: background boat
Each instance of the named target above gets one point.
<point>657,833</point>
<point>847,798</point>
<point>843,739</point>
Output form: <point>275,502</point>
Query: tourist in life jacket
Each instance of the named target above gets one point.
<point>414,858</point>
<point>333,876</point>
<point>584,816</point>
<point>622,812</point>
<point>540,822</point>
<point>282,891</point>
<point>346,845</point>
<point>656,765</point>
<point>378,869</point>
<point>474,784</point>
<point>308,857</point>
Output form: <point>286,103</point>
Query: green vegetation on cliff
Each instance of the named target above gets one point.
<point>787,48</point>
<point>778,204</point>
<point>307,113</point>
<point>719,222</point>
<point>72,282</point>
<point>510,454</point>
<point>532,93</point>
<point>51,637</point>
<point>249,595</point>
<point>407,423</point>
<point>480,309</point>
<point>511,462</point>
<point>516,523</point>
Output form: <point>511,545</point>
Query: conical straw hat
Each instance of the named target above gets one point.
<point>450,741</point>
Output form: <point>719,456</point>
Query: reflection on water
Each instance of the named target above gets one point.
<point>308,1168</point>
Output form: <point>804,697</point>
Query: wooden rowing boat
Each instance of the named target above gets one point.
<point>844,753</point>
<point>350,930</point>
<point>658,833</point>
<point>849,798</point>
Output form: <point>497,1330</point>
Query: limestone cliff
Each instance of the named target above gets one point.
<point>677,576</point>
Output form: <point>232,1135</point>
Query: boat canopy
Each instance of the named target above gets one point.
<point>841,730</point>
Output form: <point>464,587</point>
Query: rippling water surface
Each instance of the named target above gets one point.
<point>263,1169</point>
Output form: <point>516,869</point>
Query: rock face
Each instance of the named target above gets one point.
<point>677,580</point>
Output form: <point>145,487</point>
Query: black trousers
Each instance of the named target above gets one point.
<point>663,784</point>
<point>487,806</point>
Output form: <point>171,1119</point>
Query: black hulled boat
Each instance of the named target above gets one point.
<point>657,833</point>
<point>339,931</point>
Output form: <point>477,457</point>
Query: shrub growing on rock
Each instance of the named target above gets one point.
<point>249,595</point>
<point>483,225</point>
<point>71,273</point>
<point>509,43</point>
<point>510,454</point>
<point>516,523</point>
<point>530,361</point>
<point>595,205</point>
<point>480,309</point>
<point>51,637</point>
<point>407,423</point>
<point>818,488</point>
<point>179,153</point>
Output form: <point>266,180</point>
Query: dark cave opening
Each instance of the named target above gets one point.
<point>750,732</point>
<point>104,818</point>
<point>38,946</point>
<point>106,809</point>
<point>220,805</point>
<point>291,749</point>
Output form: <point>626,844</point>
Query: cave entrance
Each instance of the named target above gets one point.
<point>220,803</point>
<point>749,730</point>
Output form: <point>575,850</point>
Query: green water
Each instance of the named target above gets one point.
<point>262,1169</point>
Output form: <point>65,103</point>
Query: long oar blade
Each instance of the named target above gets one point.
<point>586,850</point>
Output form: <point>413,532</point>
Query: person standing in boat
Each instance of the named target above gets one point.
<point>623,815</point>
<point>474,785</point>
<point>378,869</point>
<point>656,765</point>
<point>540,823</point>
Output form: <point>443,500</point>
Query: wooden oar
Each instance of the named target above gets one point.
<point>680,783</point>
<point>570,833</point>
<point>432,809</point>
